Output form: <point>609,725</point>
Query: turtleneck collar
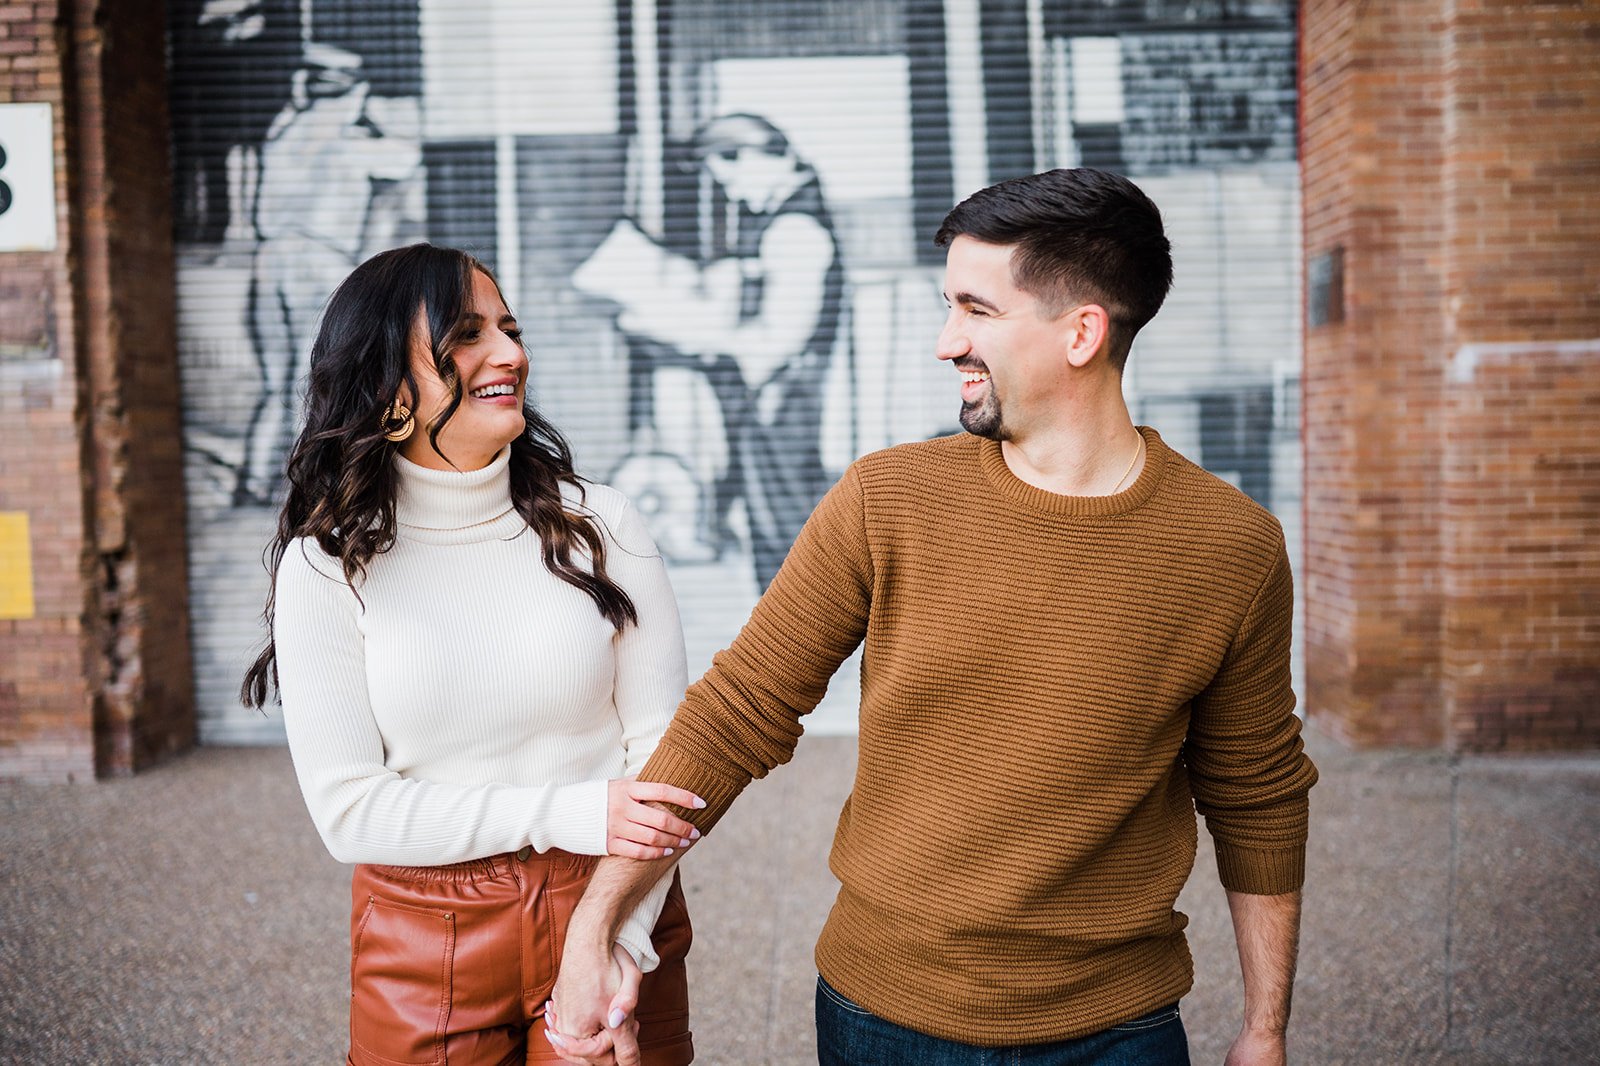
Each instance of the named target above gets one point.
<point>449,499</point>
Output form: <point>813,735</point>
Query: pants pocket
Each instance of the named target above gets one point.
<point>400,977</point>
<point>1161,1016</point>
<point>840,1000</point>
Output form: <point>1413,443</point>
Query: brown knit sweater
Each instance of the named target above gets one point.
<point>1051,686</point>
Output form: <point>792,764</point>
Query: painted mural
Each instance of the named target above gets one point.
<point>714,219</point>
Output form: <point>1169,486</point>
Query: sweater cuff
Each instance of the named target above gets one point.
<point>1261,873</point>
<point>714,785</point>
<point>635,940</point>
<point>575,820</point>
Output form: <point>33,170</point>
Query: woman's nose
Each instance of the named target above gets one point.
<point>508,353</point>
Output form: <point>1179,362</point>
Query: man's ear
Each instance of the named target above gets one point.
<point>1086,330</point>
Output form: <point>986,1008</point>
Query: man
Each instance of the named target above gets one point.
<point>1074,638</point>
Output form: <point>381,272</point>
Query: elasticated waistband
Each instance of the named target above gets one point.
<point>486,869</point>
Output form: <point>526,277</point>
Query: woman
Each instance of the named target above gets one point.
<point>473,649</point>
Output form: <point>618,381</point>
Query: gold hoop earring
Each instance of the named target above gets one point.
<point>397,422</point>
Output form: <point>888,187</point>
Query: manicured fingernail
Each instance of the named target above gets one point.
<point>694,834</point>
<point>554,1038</point>
<point>614,1019</point>
<point>685,842</point>
<point>699,803</point>
<point>667,851</point>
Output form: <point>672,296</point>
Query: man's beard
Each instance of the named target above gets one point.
<point>982,419</point>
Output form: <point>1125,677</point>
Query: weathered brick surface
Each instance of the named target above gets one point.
<point>97,681</point>
<point>46,721</point>
<point>1521,507</point>
<point>1451,152</point>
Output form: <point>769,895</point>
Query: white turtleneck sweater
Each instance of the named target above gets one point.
<point>469,702</point>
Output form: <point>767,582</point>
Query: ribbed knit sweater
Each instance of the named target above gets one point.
<point>469,702</point>
<point>1051,686</point>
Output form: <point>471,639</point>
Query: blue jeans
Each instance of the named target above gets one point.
<point>850,1035</point>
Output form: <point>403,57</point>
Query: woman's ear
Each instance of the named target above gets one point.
<point>1086,330</point>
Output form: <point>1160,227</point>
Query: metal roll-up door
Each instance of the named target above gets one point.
<point>575,147</point>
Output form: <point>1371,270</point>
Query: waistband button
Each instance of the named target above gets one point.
<point>523,852</point>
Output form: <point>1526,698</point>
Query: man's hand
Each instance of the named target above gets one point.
<point>573,1032</point>
<point>597,978</point>
<point>1253,1047</point>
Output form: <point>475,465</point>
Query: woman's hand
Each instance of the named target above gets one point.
<point>617,1042</point>
<point>643,832</point>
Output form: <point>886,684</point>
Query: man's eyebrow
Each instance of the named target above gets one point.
<point>975,300</point>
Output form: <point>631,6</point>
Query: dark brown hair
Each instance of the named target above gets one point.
<point>1080,236</point>
<point>341,472</point>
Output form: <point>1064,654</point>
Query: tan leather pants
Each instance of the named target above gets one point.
<point>453,964</point>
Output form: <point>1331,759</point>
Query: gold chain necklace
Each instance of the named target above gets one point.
<point>1136,453</point>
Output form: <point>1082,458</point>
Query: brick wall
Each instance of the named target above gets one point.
<point>1450,152</point>
<point>1521,507</point>
<point>96,681</point>
<point>46,717</point>
<point>1371,103</point>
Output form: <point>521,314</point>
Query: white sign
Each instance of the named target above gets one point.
<point>866,158</point>
<point>27,179</point>
<point>518,67</point>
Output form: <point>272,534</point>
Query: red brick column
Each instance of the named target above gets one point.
<point>1451,152</point>
<point>1372,105</point>
<point>1521,491</point>
<point>97,680</point>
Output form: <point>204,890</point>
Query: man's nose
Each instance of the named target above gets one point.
<point>952,343</point>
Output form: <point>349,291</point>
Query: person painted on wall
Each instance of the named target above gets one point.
<point>322,159</point>
<point>791,296</point>
<point>781,293</point>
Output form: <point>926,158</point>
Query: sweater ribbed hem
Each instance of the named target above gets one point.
<point>899,968</point>
<point>1261,873</point>
<point>576,820</point>
<point>709,783</point>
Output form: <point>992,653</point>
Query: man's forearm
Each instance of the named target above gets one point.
<point>616,888</point>
<point>1267,929</point>
<point>589,978</point>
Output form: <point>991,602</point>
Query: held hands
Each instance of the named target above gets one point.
<point>616,1043</point>
<point>643,832</point>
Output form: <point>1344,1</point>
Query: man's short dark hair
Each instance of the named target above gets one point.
<point>1080,236</point>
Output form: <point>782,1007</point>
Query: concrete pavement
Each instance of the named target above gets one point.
<point>190,915</point>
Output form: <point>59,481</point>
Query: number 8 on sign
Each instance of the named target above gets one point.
<point>5,190</point>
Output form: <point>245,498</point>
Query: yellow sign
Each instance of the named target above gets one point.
<point>16,566</point>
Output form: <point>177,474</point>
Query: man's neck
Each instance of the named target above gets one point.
<point>1093,450</point>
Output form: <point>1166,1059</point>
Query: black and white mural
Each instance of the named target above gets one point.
<point>714,219</point>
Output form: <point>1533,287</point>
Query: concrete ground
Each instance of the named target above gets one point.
<point>190,915</point>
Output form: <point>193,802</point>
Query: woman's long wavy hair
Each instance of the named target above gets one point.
<point>341,471</point>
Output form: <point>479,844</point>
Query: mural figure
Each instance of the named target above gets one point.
<point>219,123</point>
<point>746,154</point>
<point>762,329</point>
<point>316,217</point>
